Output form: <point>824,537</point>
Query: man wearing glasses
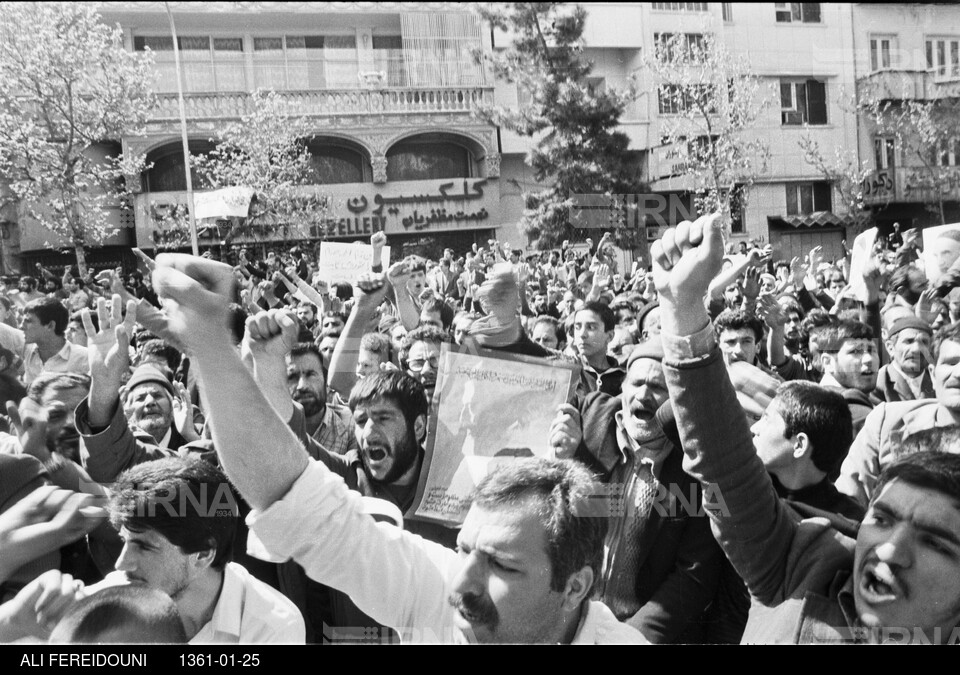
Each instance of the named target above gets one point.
<point>422,349</point>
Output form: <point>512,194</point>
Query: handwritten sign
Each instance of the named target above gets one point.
<point>346,262</point>
<point>489,408</point>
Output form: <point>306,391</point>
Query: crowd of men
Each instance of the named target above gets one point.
<point>228,451</point>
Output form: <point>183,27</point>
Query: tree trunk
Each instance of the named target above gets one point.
<point>81,260</point>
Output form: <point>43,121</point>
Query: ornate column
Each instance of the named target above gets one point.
<point>379,164</point>
<point>492,165</point>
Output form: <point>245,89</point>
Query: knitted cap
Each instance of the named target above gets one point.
<point>149,373</point>
<point>908,321</point>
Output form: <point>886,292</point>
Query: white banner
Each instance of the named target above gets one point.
<point>226,203</point>
<point>346,262</point>
<point>862,250</point>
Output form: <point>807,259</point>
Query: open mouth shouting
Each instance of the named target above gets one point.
<point>880,586</point>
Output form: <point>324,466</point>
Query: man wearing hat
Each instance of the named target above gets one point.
<point>661,565</point>
<point>907,377</point>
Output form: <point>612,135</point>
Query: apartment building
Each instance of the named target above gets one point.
<point>909,52</point>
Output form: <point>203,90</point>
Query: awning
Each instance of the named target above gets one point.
<point>817,218</point>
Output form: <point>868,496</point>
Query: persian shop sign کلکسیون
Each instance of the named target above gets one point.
<point>359,209</point>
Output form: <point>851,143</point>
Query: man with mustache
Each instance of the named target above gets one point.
<point>908,377</point>
<point>890,423</point>
<point>529,546</point>
<point>898,580</point>
<point>329,424</point>
<point>661,564</point>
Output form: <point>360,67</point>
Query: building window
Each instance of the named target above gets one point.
<point>439,46</point>
<point>428,160</point>
<point>680,6</point>
<point>738,205</point>
<point>798,12</point>
<point>388,59</point>
<point>803,102</point>
<point>338,164</point>
<point>946,153</point>
<point>727,8</point>
<point>306,62</point>
<point>208,64</point>
<point>807,198</point>
<point>167,171</point>
<point>686,47</point>
<point>883,52</point>
<point>674,99</point>
<point>883,153</point>
<point>943,57</point>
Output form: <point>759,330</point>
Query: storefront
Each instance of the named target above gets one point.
<point>416,216</point>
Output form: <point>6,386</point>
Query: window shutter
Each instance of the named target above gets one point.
<point>816,102</point>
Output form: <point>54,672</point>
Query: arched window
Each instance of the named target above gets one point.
<point>335,163</point>
<point>422,158</point>
<point>167,174</point>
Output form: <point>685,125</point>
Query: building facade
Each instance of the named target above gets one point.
<point>391,89</point>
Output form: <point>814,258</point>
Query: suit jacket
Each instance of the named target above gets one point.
<point>680,562</point>
<point>892,386</point>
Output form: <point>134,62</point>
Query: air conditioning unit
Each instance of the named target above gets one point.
<point>792,117</point>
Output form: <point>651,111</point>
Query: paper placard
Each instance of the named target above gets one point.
<point>489,408</point>
<point>346,262</point>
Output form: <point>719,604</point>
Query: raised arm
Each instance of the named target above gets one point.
<point>342,374</point>
<point>257,449</point>
<point>749,522</point>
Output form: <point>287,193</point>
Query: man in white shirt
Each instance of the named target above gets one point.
<point>177,518</point>
<point>528,550</point>
<point>47,349</point>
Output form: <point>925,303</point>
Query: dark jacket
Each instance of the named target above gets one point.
<point>798,570</point>
<point>892,386</point>
<point>680,562</point>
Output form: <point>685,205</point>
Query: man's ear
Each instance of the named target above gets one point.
<point>888,343</point>
<point>801,446</point>
<point>827,362</point>
<point>579,585</point>
<point>205,557</point>
<point>420,427</point>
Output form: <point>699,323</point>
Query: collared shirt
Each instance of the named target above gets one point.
<point>399,579</point>
<point>70,359</point>
<point>335,432</point>
<point>249,611</point>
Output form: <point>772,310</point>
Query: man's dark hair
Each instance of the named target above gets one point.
<point>737,319</point>
<point>830,339</point>
<point>78,317</point>
<point>186,500</point>
<point>817,318</point>
<point>344,290</point>
<point>162,349</point>
<point>554,324</point>
<point>445,310</point>
<point>304,348</point>
<point>822,414</point>
<point>603,311</point>
<point>29,282</point>
<point>949,333</point>
<point>58,382</point>
<point>902,277</point>
<point>561,492</point>
<point>415,264</point>
<point>781,263</point>
<point>130,613</point>
<point>622,306</point>
<point>47,310</point>
<point>398,388</point>
<point>423,334</point>
<point>330,314</point>
<point>928,469</point>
